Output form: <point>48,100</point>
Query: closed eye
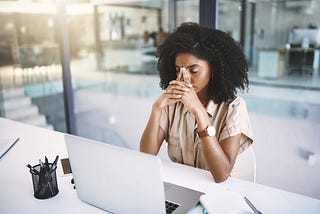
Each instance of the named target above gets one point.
<point>194,68</point>
<point>193,71</point>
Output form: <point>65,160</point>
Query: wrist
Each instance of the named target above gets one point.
<point>209,131</point>
<point>156,107</point>
<point>202,118</point>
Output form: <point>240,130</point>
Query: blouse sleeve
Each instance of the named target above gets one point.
<point>237,121</point>
<point>164,121</point>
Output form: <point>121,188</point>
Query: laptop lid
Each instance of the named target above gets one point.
<point>116,179</point>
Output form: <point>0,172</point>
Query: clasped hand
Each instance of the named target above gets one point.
<point>180,90</point>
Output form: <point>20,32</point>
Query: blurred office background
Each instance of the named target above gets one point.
<point>88,67</point>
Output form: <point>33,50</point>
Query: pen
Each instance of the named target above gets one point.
<point>33,170</point>
<point>55,160</point>
<point>42,166</point>
<point>254,209</point>
<point>46,162</point>
<point>54,164</point>
<point>10,147</point>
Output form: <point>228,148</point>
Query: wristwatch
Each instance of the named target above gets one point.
<point>208,131</point>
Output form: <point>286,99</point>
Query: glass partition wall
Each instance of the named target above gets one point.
<point>116,81</point>
<point>112,49</point>
<point>286,40</point>
<point>30,71</point>
<point>113,65</point>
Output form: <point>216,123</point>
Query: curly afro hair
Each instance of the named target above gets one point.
<point>227,62</point>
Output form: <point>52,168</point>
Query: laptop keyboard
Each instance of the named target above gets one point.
<point>170,207</point>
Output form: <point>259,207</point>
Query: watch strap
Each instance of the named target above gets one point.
<point>203,133</point>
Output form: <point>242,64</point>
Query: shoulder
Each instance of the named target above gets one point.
<point>238,101</point>
<point>238,104</point>
<point>237,110</point>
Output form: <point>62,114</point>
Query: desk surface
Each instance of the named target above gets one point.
<point>16,191</point>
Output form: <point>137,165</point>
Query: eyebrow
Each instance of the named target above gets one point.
<point>190,66</point>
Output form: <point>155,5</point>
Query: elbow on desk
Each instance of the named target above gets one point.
<point>147,151</point>
<point>220,178</point>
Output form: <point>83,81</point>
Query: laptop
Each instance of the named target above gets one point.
<point>120,180</point>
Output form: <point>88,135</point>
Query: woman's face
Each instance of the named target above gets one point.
<point>198,69</point>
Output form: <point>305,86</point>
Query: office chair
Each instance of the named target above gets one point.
<point>245,166</point>
<point>300,60</point>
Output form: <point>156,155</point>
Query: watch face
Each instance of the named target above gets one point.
<point>211,131</point>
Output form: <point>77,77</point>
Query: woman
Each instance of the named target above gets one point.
<point>205,124</point>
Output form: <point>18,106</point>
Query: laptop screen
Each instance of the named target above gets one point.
<point>120,180</point>
<point>116,179</point>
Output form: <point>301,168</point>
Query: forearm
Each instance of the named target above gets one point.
<point>150,138</point>
<point>217,161</point>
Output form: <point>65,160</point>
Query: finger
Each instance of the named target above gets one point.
<point>174,96</point>
<point>182,71</point>
<point>172,101</point>
<point>179,76</point>
<point>177,89</point>
<point>180,83</point>
<point>186,76</point>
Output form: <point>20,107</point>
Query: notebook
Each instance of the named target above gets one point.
<point>6,144</point>
<point>224,202</point>
<point>120,180</point>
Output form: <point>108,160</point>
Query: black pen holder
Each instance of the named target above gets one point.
<point>45,183</point>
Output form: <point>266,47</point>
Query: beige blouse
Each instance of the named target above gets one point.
<point>180,126</point>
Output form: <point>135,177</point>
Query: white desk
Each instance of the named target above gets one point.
<point>16,191</point>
